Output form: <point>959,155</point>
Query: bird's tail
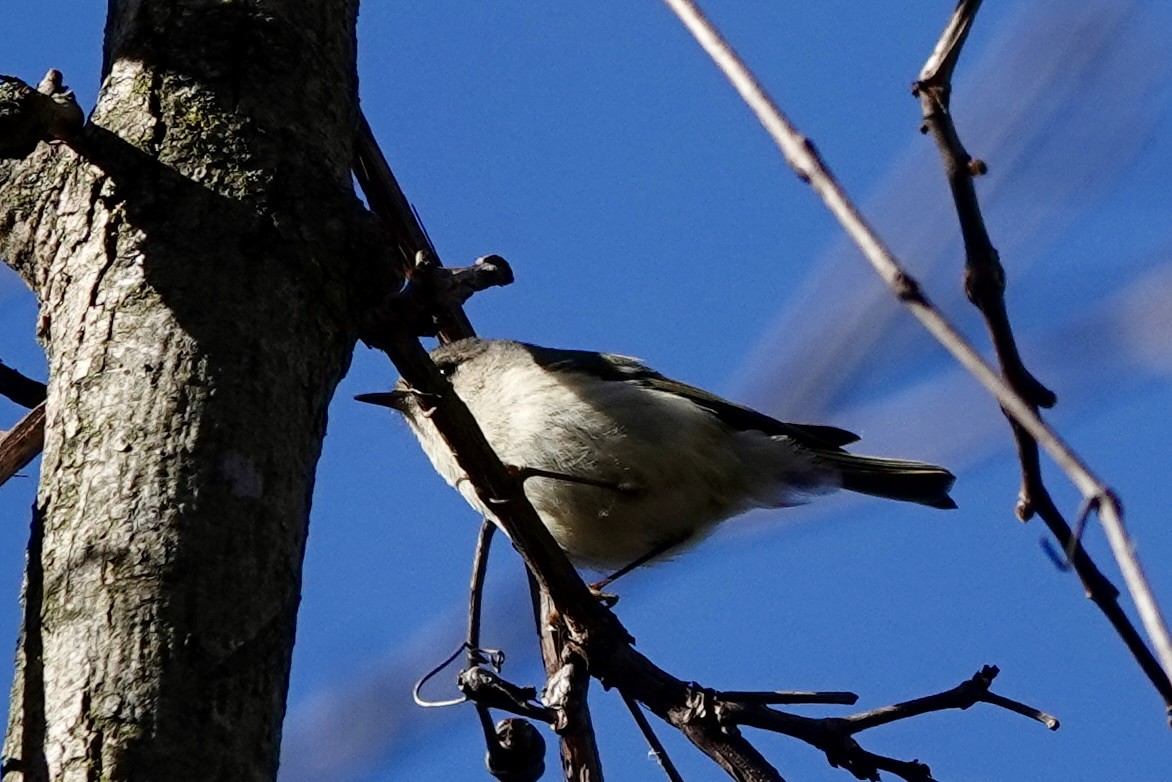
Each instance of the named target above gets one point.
<point>893,479</point>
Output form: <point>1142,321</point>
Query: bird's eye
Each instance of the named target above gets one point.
<point>446,369</point>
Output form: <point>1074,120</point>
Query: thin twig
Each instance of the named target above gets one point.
<point>475,601</point>
<point>1049,720</point>
<point>804,159</point>
<point>417,690</point>
<point>791,697</point>
<point>657,749</point>
<point>945,55</point>
<point>476,591</point>
<point>835,736</point>
<point>985,286</point>
<point>964,695</point>
<point>984,275</point>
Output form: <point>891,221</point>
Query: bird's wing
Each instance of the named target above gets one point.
<point>743,418</point>
<point>613,367</point>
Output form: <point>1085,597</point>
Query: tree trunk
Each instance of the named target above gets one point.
<point>191,259</point>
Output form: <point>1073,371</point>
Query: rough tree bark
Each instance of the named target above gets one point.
<point>191,256</point>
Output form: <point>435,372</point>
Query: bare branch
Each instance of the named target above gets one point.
<point>502,489</point>
<point>712,720</point>
<point>432,290</point>
<point>21,444</point>
<point>22,390</point>
<point>964,695</point>
<point>388,202</point>
<point>835,736</point>
<point>804,159</point>
<point>984,275</point>
<point>985,287</point>
<point>476,590</point>
<point>790,697</point>
<point>491,691</point>
<point>947,52</point>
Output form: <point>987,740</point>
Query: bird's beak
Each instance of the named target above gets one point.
<point>396,400</point>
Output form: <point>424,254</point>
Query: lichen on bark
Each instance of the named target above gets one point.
<point>192,255</point>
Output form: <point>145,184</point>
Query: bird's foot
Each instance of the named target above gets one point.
<point>607,599</point>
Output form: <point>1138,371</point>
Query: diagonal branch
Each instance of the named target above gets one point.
<point>800,153</point>
<point>984,275</point>
<point>944,57</point>
<point>591,639</point>
<point>388,202</point>
<point>658,751</point>
<point>21,444</point>
<point>985,287</point>
<point>592,630</point>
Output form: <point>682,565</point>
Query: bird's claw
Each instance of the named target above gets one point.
<point>607,599</point>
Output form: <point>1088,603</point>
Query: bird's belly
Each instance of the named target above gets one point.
<point>676,470</point>
<point>606,528</point>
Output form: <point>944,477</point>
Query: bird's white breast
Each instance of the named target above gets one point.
<point>683,469</point>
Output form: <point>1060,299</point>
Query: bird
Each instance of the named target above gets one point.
<point>625,465</point>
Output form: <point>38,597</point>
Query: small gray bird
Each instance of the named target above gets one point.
<point>623,464</point>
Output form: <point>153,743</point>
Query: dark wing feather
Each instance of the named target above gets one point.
<point>624,368</point>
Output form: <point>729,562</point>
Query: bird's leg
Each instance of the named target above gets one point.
<point>657,550</point>
<point>525,473</point>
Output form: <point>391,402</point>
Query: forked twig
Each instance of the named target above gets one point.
<point>701,713</point>
<point>985,286</point>
<point>800,153</point>
<point>835,736</point>
<point>964,695</point>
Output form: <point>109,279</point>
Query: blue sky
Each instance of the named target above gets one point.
<point>596,148</point>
